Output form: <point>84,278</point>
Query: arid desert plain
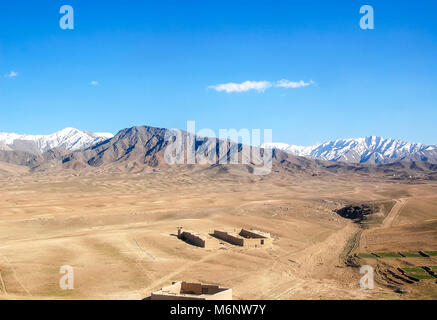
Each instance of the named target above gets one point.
<point>118,231</point>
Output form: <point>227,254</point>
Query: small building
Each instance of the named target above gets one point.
<point>182,290</point>
<point>197,239</point>
<point>230,237</point>
<point>245,238</point>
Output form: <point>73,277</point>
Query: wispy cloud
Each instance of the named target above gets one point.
<point>284,83</point>
<point>242,87</point>
<point>94,83</point>
<point>260,86</point>
<point>11,75</point>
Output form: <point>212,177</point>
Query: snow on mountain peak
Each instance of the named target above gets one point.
<point>68,138</point>
<point>372,149</point>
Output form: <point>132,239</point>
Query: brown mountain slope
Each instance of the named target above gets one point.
<point>19,158</point>
<point>144,148</point>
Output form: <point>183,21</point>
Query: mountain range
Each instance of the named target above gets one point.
<point>373,150</point>
<point>142,148</point>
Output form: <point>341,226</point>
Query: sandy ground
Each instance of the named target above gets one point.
<point>118,233</point>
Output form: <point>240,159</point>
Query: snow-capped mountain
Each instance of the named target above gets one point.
<point>68,139</point>
<point>372,149</point>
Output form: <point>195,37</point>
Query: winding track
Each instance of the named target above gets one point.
<point>387,222</point>
<point>394,213</point>
<point>3,284</point>
<point>15,275</point>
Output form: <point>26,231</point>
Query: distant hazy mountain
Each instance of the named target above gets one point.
<point>69,139</point>
<point>373,150</point>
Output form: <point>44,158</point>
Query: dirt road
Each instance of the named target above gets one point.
<point>394,213</point>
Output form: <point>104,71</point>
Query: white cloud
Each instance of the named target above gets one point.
<point>259,85</point>
<point>242,87</point>
<point>11,75</point>
<point>284,83</point>
<point>94,83</point>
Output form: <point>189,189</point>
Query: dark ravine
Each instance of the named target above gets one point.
<point>357,212</point>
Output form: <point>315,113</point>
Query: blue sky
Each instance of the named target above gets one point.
<point>155,61</point>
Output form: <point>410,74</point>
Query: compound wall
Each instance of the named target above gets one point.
<point>234,239</point>
<point>194,239</point>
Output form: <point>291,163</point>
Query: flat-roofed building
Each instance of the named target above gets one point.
<point>230,237</point>
<point>245,238</point>
<point>197,239</point>
<point>182,290</point>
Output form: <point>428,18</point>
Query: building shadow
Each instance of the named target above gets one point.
<point>184,240</point>
<point>221,241</point>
